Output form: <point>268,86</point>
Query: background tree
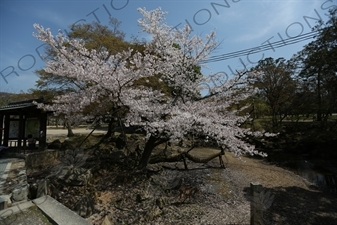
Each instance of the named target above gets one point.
<point>277,86</point>
<point>317,66</point>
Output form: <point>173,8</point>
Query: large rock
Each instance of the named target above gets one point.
<point>20,188</point>
<point>120,142</point>
<point>73,157</point>
<point>161,202</point>
<point>20,193</point>
<point>42,188</point>
<point>56,144</point>
<point>117,154</point>
<point>85,206</point>
<point>68,144</point>
<point>152,213</point>
<point>44,159</point>
<point>21,177</point>
<point>53,191</point>
<point>38,189</point>
<point>32,190</point>
<point>107,221</point>
<point>72,176</point>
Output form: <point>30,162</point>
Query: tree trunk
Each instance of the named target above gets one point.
<point>111,128</point>
<point>149,146</point>
<point>154,141</point>
<point>319,97</point>
<point>70,131</point>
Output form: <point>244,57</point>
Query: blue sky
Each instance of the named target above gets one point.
<point>239,24</point>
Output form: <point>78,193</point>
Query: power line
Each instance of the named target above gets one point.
<point>261,48</point>
<point>273,45</point>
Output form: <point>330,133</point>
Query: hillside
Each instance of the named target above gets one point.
<point>5,98</point>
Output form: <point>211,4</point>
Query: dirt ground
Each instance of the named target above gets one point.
<point>61,134</point>
<point>224,196</point>
<point>292,199</point>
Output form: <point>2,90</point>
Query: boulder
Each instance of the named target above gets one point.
<point>32,191</point>
<point>109,220</point>
<point>72,176</point>
<point>116,155</point>
<point>54,192</point>
<point>39,160</point>
<point>152,213</point>
<point>56,144</point>
<point>175,184</point>
<point>74,157</point>
<point>120,142</point>
<point>143,196</point>
<point>106,221</point>
<point>42,188</point>
<point>67,144</point>
<point>161,202</point>
<point>85,206</point>
<point>20,193</point>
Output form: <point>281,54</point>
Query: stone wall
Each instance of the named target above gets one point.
<point>42,159</point>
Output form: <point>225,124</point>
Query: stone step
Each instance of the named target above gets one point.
<point>58,213</point>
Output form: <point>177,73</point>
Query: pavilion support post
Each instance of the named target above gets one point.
<point>6,131</point>
<point>1,127</point>
<point>43,131</point>
<point>20,133</point>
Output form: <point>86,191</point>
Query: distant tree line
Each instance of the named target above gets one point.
<point>304,85</point>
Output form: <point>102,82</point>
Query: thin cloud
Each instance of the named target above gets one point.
<point>59,20</point>
<point>277,16</point>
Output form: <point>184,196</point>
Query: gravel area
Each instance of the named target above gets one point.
<point>223,197</point>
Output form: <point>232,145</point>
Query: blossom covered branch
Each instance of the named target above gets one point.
<point>176,56</point>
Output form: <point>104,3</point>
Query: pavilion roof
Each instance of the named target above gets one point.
<point>21,105</point>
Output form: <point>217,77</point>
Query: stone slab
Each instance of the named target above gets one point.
<point>15,209</point>
<point>58,213</point>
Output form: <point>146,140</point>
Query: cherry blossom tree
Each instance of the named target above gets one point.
<point>101,75</point>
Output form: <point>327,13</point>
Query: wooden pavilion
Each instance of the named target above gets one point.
<point>20,119</point>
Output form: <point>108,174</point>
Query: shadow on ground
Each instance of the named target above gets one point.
<point>294,205</point>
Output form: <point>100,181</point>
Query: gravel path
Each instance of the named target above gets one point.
<point>63,132</point>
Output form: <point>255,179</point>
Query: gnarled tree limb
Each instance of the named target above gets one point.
<point>186,155</point>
